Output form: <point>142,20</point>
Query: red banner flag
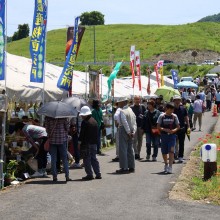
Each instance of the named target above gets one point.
<point>138,67</point>
<point>132,57</point>
<point>157,76</point>
<point>148,84</point>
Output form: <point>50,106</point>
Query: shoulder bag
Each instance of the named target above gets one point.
<point>47,143</point>
<point>154,131</point>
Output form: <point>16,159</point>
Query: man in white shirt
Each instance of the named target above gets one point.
<point>117,121</point>
<point>127,129</point>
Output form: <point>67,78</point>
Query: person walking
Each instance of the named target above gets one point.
<point>168,124</point>
<point>98,116</point>
<point>198,110</point>
<point>208,99</point>
<point>35,134</point>
<point>183,118</point>
<point>149,126</point>
<point>57,130</point>
<point>127,129</point>
<point>138,110</point>
<point>88,140</point>
<point>117,121</point>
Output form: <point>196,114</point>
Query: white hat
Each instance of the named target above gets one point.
<point>176,97</point>
<point>121,99</point>
<point>85,110</point>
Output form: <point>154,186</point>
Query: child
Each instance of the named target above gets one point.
<point>168,124</point>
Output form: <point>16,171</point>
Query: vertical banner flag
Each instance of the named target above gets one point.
<point>160,67</point>
<point>157,76</point>
<point>148,84</point>
<point>70,32</point>
<point>138,67</point>
<point>132,58</point>
<point>37,42</point>
<point>175,78</point>
<point>65,79</point>
<point>2,39</point>
<point>93,84</point>
<point>112,76</point>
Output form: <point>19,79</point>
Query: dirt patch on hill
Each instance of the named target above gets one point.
<point>186,56</point>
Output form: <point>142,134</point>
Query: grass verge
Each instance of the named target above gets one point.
<point>190,185</point>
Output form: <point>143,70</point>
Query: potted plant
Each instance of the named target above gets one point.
<point>11,168</point>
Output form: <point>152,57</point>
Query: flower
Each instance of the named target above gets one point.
<point>204,141</point>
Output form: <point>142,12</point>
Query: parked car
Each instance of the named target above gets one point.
<point>217,62</point>
<point>165,62</point>
<point>186,78</point>
<point>208,62</point>
<point>210,76</point>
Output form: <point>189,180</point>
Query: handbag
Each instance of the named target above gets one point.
<point>47,143</point>
<point>155,131</point>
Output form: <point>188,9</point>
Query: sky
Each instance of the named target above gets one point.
<point>61,13</point>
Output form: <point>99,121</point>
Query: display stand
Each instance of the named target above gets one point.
<point>3,107</point>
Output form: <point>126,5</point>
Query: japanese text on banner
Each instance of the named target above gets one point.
<point>37,43</point>
<point>65,79</point>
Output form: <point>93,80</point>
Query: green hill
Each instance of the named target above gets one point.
<point>114,41</point>
<point>211,18</point>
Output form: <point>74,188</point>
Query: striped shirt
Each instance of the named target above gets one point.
<point>33,132</point>
<point>59,127</point>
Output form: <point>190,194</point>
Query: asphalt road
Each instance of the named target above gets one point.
<point>141,195</point>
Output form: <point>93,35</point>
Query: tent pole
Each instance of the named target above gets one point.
<point>3,125</point>
<point>43,91</point>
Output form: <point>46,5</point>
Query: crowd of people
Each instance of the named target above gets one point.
<point>163,124</point>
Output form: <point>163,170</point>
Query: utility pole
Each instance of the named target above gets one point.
<point>94,40</point>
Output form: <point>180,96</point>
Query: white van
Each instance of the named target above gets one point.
<point>186,78</point>
<point>210,76</point>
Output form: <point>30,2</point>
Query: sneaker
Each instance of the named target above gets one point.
<point>166,168</point>
<point>54,179</point>
<point>68,179</point>
<point>154,159</point>
<point>76,166</point>
<point>37,174</point>
<point>122,171</point>
<point>169,170</point>
<point>131,170</point>
<point>87,178</point>
<point>180,160</point>
<point>98,177</point>
<point>148,157</point>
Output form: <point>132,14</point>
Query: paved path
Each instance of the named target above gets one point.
<point>142,195</point>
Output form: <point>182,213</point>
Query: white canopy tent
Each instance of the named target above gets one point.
<point>19,87</point>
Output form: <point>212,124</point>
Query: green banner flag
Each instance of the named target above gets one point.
<point>113,76</point>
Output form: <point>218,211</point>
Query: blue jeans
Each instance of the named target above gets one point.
<point>91,162</point>
<point>154,140</point>
<point>62,148</point>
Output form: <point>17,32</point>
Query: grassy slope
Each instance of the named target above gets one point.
<point>117,39</point>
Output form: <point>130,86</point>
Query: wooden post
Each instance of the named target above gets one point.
<point>210,168</point>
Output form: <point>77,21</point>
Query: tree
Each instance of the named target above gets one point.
<point>92,18</point>
<point>23,32</point>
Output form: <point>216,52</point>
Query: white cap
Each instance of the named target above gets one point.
<point>85,110</point>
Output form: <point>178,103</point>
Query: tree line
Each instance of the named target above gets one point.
<point>86,18</point>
